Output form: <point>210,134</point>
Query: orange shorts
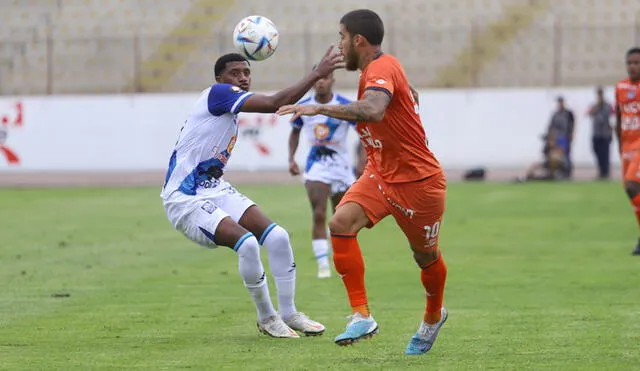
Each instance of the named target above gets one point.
<point>416,206</point>
<point>631,166</point>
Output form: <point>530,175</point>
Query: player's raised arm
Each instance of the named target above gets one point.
<point>379,88</point>
<point>370,108</point>
<point>270,103</point>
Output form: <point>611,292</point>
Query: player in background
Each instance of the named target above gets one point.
<point>327,172</point>
<point>401,178</point>
<point>211,212</point>
<point>628,131</point>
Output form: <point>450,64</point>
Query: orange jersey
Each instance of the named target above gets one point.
<point>397,145</point>
<point>628,104</point>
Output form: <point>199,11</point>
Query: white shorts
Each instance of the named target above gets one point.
<point>197,217</point>
<point>333,171</point>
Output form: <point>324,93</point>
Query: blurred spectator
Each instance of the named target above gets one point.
<point>554,164</point>
<point>561,127</point>
<point>601,113</point>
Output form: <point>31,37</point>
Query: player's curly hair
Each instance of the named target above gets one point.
<point>221,63</point>
<point>364,22</point>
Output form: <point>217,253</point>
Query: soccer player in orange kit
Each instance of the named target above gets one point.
<point>628,130</point>
<point>402,178</point>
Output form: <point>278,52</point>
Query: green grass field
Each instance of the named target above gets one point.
<point>540,277</point>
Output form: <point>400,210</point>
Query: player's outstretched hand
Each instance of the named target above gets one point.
<point>298,110</point>
<point>331,61</point>
<point>293,168</point>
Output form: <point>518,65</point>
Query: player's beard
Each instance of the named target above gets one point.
<point>351,58</point>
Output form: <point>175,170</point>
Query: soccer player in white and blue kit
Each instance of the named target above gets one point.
<point>211,212</point>
<point>328,172</point>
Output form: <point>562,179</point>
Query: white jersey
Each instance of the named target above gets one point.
<point>205,142</point>
<point>323,131</point>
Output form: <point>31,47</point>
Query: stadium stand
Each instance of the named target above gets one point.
<point>119,46</point>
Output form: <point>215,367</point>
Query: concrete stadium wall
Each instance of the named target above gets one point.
<point>132,135</point>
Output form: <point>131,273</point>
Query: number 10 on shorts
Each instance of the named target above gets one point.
<point>431,234</point>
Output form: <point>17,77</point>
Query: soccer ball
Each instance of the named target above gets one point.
<point>256,37</point>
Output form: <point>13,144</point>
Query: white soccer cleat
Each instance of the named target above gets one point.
<point>324,272</point>
<point>301,322</point>
<point>275,327</point>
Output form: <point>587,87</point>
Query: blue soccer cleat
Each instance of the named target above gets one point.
<point>359,327</point>
<point>426,335</point>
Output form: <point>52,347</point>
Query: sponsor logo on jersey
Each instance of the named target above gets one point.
<point>209,183</point>
<point>232,143</point>
<point>367,140</point>
<point>631,108</point>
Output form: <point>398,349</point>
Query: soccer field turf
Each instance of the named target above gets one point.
<point>540,277</point>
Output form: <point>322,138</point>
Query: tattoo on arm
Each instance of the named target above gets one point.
<point>355,111</point>
<point>369,109</point>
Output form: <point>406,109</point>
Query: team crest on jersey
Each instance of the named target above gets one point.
<point>321,131</point>
<point>381,81</point>
<point>235,89</point>
<point>631,94</point>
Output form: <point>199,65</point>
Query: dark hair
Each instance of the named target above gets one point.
<point>221,63</point>
<point>364,22</point>
<point>635,50</point>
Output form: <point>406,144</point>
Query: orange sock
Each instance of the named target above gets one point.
<point>349,264</point>
<point>433,277</point>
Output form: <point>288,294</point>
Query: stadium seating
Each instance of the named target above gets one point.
<point>111,46</point>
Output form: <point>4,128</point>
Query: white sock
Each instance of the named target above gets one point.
<point>276,240</point>
<point>253,275</point>
<point>321,251</point>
